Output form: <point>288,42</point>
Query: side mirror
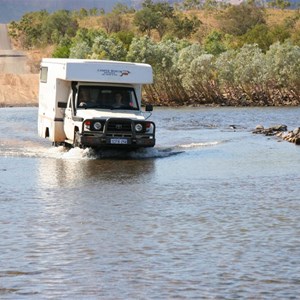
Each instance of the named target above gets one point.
<point>149,107</point>
<point>83,105</point>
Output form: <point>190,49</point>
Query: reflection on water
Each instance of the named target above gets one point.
<point>81,173</point>
<point>210,213</point>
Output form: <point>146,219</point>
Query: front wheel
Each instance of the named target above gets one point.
<point>76,140</point>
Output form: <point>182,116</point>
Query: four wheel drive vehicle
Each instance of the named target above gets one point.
<point>94,103</point>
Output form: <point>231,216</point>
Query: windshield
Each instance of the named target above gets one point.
<point>106,97</point>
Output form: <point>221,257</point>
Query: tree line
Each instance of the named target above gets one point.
<point>243,61</point>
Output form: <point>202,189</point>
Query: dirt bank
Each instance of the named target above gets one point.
<point>18,86</point>
<point>19,89</point>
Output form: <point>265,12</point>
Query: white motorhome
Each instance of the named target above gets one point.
<point>94,103</point>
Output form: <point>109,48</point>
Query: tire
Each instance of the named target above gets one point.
<point>76,140</point>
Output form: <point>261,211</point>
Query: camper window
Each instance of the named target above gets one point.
<point>43,74</point>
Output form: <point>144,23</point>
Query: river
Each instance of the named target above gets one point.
<point>210,212</point>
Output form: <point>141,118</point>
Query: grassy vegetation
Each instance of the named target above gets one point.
<point>232,55</point>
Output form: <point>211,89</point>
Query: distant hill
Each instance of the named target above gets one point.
<point>13,10</point>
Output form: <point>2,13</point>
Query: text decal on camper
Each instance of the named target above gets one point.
<point>107,72</point>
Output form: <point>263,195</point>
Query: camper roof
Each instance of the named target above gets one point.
<point>100,70</point>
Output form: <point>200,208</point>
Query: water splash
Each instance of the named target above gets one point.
<point>31,149</point>
<point>200,144</point>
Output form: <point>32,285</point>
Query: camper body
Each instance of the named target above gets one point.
<point>94,103</point>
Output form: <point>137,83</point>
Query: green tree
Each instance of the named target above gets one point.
<point>114,22</point>
<point>62,50</point>
<point>282,4</point>
<point>213,43</point>
<point>94,11</point>
<point>279,33</point>
<point>87,35</point>
<point>238,19</point>
<point>82,13</point>
<point>154,16</point>
<point>191,4</point>
<point>264,36</point>
<point>184,27</point>
<point>259,35</point>
<point>28,30</point>
<point>210,4</point>
<point>81,46</point>
<point>125,37</point>
<point>164,9</point>
<point>120,8</point>
<point>147,20</point>
<point>62,23</point>
<point>295,37</point>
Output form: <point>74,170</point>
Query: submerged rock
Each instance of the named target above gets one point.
<point>259,127</point>
<point>279,128</point>
<point>296,131</point>
<point>292,136</point>
<point>270,131</point>
<point>280,131</point>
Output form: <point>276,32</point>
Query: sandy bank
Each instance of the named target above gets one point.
<point>19,90</point>
<point>18,84</point>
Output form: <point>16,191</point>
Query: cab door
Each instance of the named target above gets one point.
<point>68,119</point>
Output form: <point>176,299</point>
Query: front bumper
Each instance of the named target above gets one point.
<point>101,140</point>
<point>117,133</point>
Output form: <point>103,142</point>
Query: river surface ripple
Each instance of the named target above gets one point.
<point>209,213</point>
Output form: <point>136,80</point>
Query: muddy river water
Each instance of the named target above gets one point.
<point>211,212</point>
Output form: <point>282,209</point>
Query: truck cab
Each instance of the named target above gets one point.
<point>93,103</point>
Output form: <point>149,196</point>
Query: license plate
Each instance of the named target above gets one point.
<point>119,141</point>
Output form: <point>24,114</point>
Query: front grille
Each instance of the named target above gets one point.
<point>118,126</point>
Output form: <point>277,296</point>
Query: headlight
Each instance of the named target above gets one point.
<point>138,127</point>
<point>97,125</point>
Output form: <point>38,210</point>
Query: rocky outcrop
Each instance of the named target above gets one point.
<point>270,131</point>
<point>291,136</point>
<point>280,131</point>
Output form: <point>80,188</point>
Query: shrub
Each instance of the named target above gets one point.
<point>283,65</point>
<point>249,66</point>
<point>142,50</point>
<point>80,50</point>
<point>108,48</point>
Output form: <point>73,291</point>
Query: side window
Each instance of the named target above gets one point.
<point>132,99</point>
<point>69,105</point>
<point>44,74</point>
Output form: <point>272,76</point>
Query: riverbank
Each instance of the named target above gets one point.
<point>18,81</point>
<point>19,90</point>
